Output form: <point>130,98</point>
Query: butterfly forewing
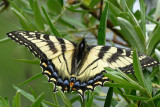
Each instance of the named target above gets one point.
<point>121,58</point>
<point>42,45</point>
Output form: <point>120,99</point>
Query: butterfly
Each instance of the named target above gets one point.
<point>77,66</point>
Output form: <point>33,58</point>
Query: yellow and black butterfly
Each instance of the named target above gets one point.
<point>77,67</point>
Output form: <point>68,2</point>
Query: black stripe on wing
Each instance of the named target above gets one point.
<point>63,48</point>
<point>50,44</point>
<point>18,36</point>
<point>116,57</point>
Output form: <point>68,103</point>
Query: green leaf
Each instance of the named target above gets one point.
<point>113,8</point>
<point>52,27</point>
<point>7,102</point>
<point>157,12</point>
<point>27,95</point>
<point>74,99</point>
<point>38,101</point>
<point>119,85</point>
<point>38,16</point>
<point>27,25</point>
<point>148,82</point>
<point>61,2</point>
<point>51,104</point>
<point>127,29</point>
<point>130,3</point>
<point>154,72</point>
<point>138,70</point>
<point>4,40</point>
<point>31,2</point>
<point>154,39</point>
<point>94,2</point>
<point>17,100</point>
<point>54,6</point>
<point>75,6</point>
<point>27,61</point>
<point>31,79</point>
<point>122,82</point>
<point>54,97</point>
<point>74,22</point>
<point>102,27</point>
<point>64,98</point>
<point>90,101</point>
<point>109,97</point>
<point>132,97</point>
<point>2,102</point>
<point>155,97</point>
<point>143,16</point>
<point>140,34</point>
<point>133,105</point>
<point>33,92</point>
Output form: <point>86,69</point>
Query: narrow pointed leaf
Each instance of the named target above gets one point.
<point>17,99</point>
<point>121,81</point>
<point>31,79</point>
<point>94,2</point>
<point>51,104</point>
<point>138,70</point>
<point>155,97</point>
<point>154,39</point>
<point>64,98</point>
<point>143,16</point>
<point>137,27</point>
<point>4,40</point>
<point>38,101</point>
<point>130,34</point>
<point>27,95</point>
<point>109,97</point>
<point>54,97</point>
<point>132,97</point>
<point>27,61</point>
<point>52,27</point>
<point>38,16</point>
<point>90,101</point>
<point>102,27</point>
<point>27,25</point>
<point>2,102</point>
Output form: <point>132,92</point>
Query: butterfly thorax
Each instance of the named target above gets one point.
<point>77,62</point>
<point>80,55</point>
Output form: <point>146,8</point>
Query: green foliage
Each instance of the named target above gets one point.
<point>102,27</point>
<point>69,19</point>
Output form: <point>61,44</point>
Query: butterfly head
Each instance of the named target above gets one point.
<point>82,44</point>
<point>81,49</point>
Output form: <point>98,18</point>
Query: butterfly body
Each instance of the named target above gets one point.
<point>77,67</point>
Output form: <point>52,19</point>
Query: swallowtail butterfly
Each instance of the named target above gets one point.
<point>76,67</point>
